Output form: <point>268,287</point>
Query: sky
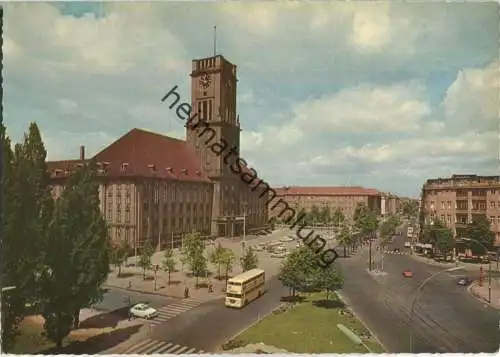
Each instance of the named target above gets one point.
<point>381,95</point>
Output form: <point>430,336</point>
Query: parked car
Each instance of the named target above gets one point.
<point>286,239</point>
<point>463,281</point>
<point>407,245</point>
<point>407,274</point>
<point>144,311</point>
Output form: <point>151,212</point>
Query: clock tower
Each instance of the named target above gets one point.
<point>213,100</point>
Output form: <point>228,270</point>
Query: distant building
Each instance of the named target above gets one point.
<point>456,200</point>
<point>154,187</point>
<point>389,204</point>
<point>343,198</point>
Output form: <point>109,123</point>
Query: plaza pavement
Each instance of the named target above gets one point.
<point>132,277</point>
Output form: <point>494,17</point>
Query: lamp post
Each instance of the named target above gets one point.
<point>417,294</point>
<point>489,263</point>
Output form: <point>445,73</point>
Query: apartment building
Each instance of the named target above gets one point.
<point>344,198</point>
<point>389,204</point>
<point>456,200</point>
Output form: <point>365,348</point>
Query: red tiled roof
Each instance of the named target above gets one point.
<point>326,191</point>
<point>146,154</point>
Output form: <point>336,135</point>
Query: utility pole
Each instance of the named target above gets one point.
<point>489,280</point>
<point>172,241</point>
<point>370,254</point>
<point>244,228</point>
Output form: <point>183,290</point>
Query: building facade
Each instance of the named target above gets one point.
<point>157,188</point>
<point>345,199</point>
<point>456,200</point>
<point>389,204</point>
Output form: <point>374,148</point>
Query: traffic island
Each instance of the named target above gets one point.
<point>309,326</point>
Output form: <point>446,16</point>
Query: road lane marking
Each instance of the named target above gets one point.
<point>155,347</point>
<point>136,348</point>
<point>149,347</point>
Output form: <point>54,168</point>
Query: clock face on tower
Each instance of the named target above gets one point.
<point>205,81</point>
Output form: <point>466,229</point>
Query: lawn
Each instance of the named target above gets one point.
<point>311,327</point>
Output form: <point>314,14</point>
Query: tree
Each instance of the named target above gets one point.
<point>227,261</point>
<point>119,255</point>
<point>480,231</point>
<point>325,214</point>
<point>444,241</point>
<point>410,208</point>
<point>145,257</point>
<point>168,262</point>
<point>315,214</point>
<point>345,238</point>
<point>192,245</point>
<point>249,260</point>
<point>198,264</point>
<point>27,208</point>
<point>216,258</point>
<point>338,217</point>
<point>299,270</point>
<point>365,220</point>
<point>328,280</point>
<point>76,261</point>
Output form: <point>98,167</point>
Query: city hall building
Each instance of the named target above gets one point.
<point>157,188</point>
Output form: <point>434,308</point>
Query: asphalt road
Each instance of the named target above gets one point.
<point>446,318</point>
<point>208,326</point>
<point>115,299</point>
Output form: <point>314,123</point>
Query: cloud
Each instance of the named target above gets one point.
<point>328,93</point>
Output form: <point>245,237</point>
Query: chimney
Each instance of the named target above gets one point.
<point>82,152</point>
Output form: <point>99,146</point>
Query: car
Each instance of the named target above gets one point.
<point>463,281</point>
<point>286,239</point>
<point>144,311</point>
<point>407,245</point>
<point>407,274</point>
<point>279,255</point>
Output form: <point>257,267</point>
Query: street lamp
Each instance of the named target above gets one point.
<point>489,263</point>
<point>417,294</point>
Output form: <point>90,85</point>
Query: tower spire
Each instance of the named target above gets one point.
<point>215,41</point>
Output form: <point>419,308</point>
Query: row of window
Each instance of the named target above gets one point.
<point>463,205</point>
<point>182,224</point>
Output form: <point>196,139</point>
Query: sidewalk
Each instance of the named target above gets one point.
<point>481,292</point>
<point>132,277</point>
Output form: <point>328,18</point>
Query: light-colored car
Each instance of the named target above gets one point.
<point>407,245</point>
<point>144,311</point>
<point>287,239</point>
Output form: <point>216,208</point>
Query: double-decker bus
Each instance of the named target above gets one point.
<point>244,288</point>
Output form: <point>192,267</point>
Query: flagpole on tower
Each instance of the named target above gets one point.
<point>215,41</point>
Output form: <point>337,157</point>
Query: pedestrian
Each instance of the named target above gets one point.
<point>130,284</point>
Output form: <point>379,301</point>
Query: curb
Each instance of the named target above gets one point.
<point>261,317</point>
<point>478,296</point>
<point>345,301</point>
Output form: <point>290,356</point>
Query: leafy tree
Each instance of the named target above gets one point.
<point>76,261</point>
<point>480,231</point>
<point>388,229</point>
<point>328,280</point>
<point>299,270</point>
<point>227,261</point>
<point>198,264</point>
<point>365,220</point>
<point>119,255</point>
<point>338,217</point>
<point>192,245</point>
<point>272,222</point>
<point>325,214</point>
<point>410,208</point>
<point>345,238</point>
<point>444,241</point>
<point>27,207</point>
<point>430,232</point>
<point>216,258</point>
<point>315,214</point>
<point>168,262</point>
<point>249,260</point>
<point>145,257</point>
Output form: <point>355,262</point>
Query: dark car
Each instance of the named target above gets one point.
<point>463,281</point>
